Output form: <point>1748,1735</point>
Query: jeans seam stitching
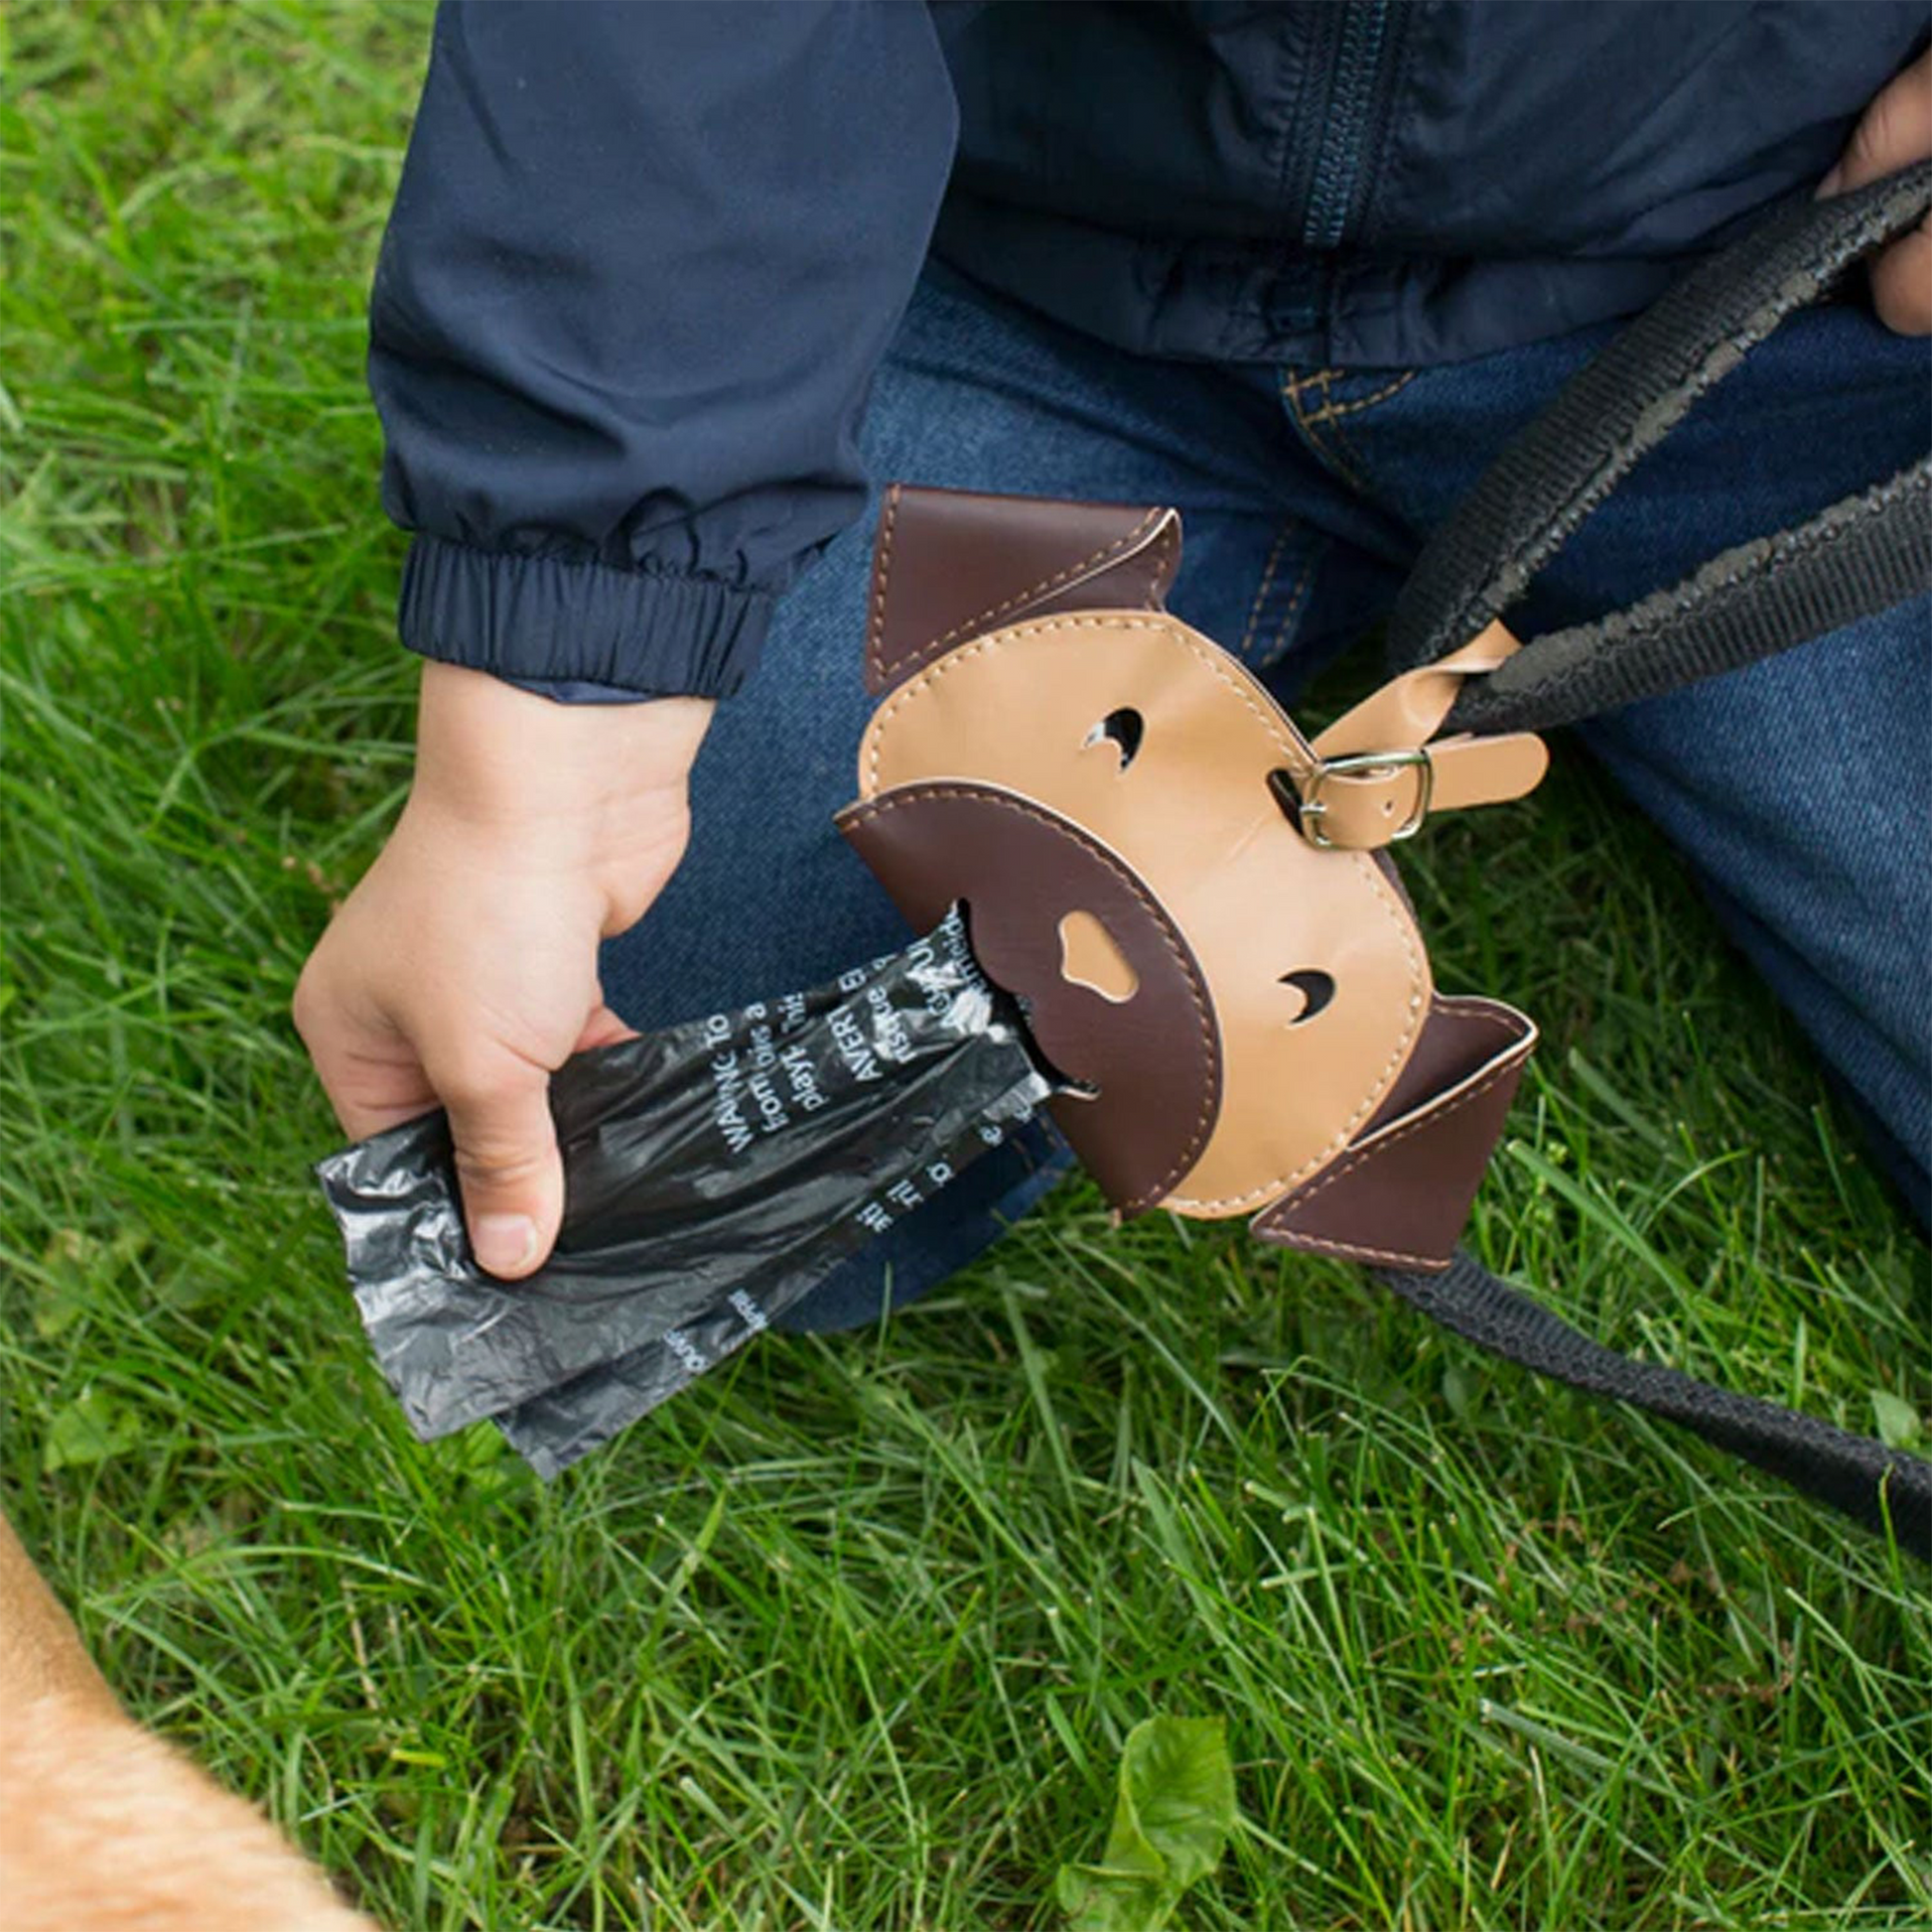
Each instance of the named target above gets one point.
<point>1332,458</point>
<point>1331,410</point>
<point>1267,581</point>
<point>1295,598</point>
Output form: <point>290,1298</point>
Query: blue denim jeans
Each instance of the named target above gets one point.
<point>1798,789</point>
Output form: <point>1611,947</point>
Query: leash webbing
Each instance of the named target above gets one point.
<point>1854,1474</point>
<point>1860,556</point>
<point>1548,480</point>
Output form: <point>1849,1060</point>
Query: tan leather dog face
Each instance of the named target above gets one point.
<point>1313,969</point>
<point>1095,784</point>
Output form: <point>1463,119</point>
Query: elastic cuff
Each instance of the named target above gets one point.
<point>548,618</point>
<point>577,690</point>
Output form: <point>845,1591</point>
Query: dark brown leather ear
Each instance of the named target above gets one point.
<point>1399,1195</point>
<point>1153,1058</point>
<point>948,565</point>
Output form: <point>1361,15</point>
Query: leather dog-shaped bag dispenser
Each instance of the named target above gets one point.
<point>1188,897</point>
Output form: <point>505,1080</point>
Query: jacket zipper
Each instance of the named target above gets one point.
<point>1355,115</point>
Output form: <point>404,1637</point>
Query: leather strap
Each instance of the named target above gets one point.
<point>1350,796</point>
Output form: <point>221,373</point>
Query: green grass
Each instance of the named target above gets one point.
<point>850,1637</point>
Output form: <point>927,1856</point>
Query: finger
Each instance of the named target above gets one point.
<point>603,1028</point>
<point>507,1158</point>
<point>374,1079</point>
<point>372,1099</point>
<point>1894,130</point>
<point>1901,284</point>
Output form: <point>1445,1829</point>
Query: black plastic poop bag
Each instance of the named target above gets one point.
<point>714,1173</point>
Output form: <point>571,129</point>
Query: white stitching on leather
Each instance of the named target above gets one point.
<point>1381,1143</point>
<point>1297,760</point>
<point>1065,828</point>
<point>882,578</point>
<point>1294,753</point>
<point>1118,547</point>
<point>1384,1079</point>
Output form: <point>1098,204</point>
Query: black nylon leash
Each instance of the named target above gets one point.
<point>1856,1474</point>
<point>1859,556</point>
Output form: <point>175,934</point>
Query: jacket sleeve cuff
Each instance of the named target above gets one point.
<point>554,619</point>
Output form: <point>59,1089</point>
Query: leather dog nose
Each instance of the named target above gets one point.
<point>1091,957</point>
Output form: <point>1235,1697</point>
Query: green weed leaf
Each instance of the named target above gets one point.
<point>1461,1391</point>
<point>1898,1422</point>
<point>77,1270</point>
<point>90,1428</point>
<point>1171,1821</point>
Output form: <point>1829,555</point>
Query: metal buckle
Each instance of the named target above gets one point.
<point>1304,804</point>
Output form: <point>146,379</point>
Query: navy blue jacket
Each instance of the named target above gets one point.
<point>646,257</point>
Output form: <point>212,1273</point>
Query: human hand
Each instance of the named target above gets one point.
<point>461,970</point>
<point>1894,131</point>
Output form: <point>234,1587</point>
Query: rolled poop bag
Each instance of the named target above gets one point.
<point>714,1173</point>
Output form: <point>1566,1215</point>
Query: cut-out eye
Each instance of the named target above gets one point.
<point>1091,957</point>
<point>1317,989</point>
<point>1123,729</point>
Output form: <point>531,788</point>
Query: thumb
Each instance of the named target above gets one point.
<point>506,1162</point>
<point>1894,132</point>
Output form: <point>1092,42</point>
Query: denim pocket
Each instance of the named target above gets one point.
<point>1325,405</point>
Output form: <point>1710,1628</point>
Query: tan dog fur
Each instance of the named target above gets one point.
<point>103,1828</point>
